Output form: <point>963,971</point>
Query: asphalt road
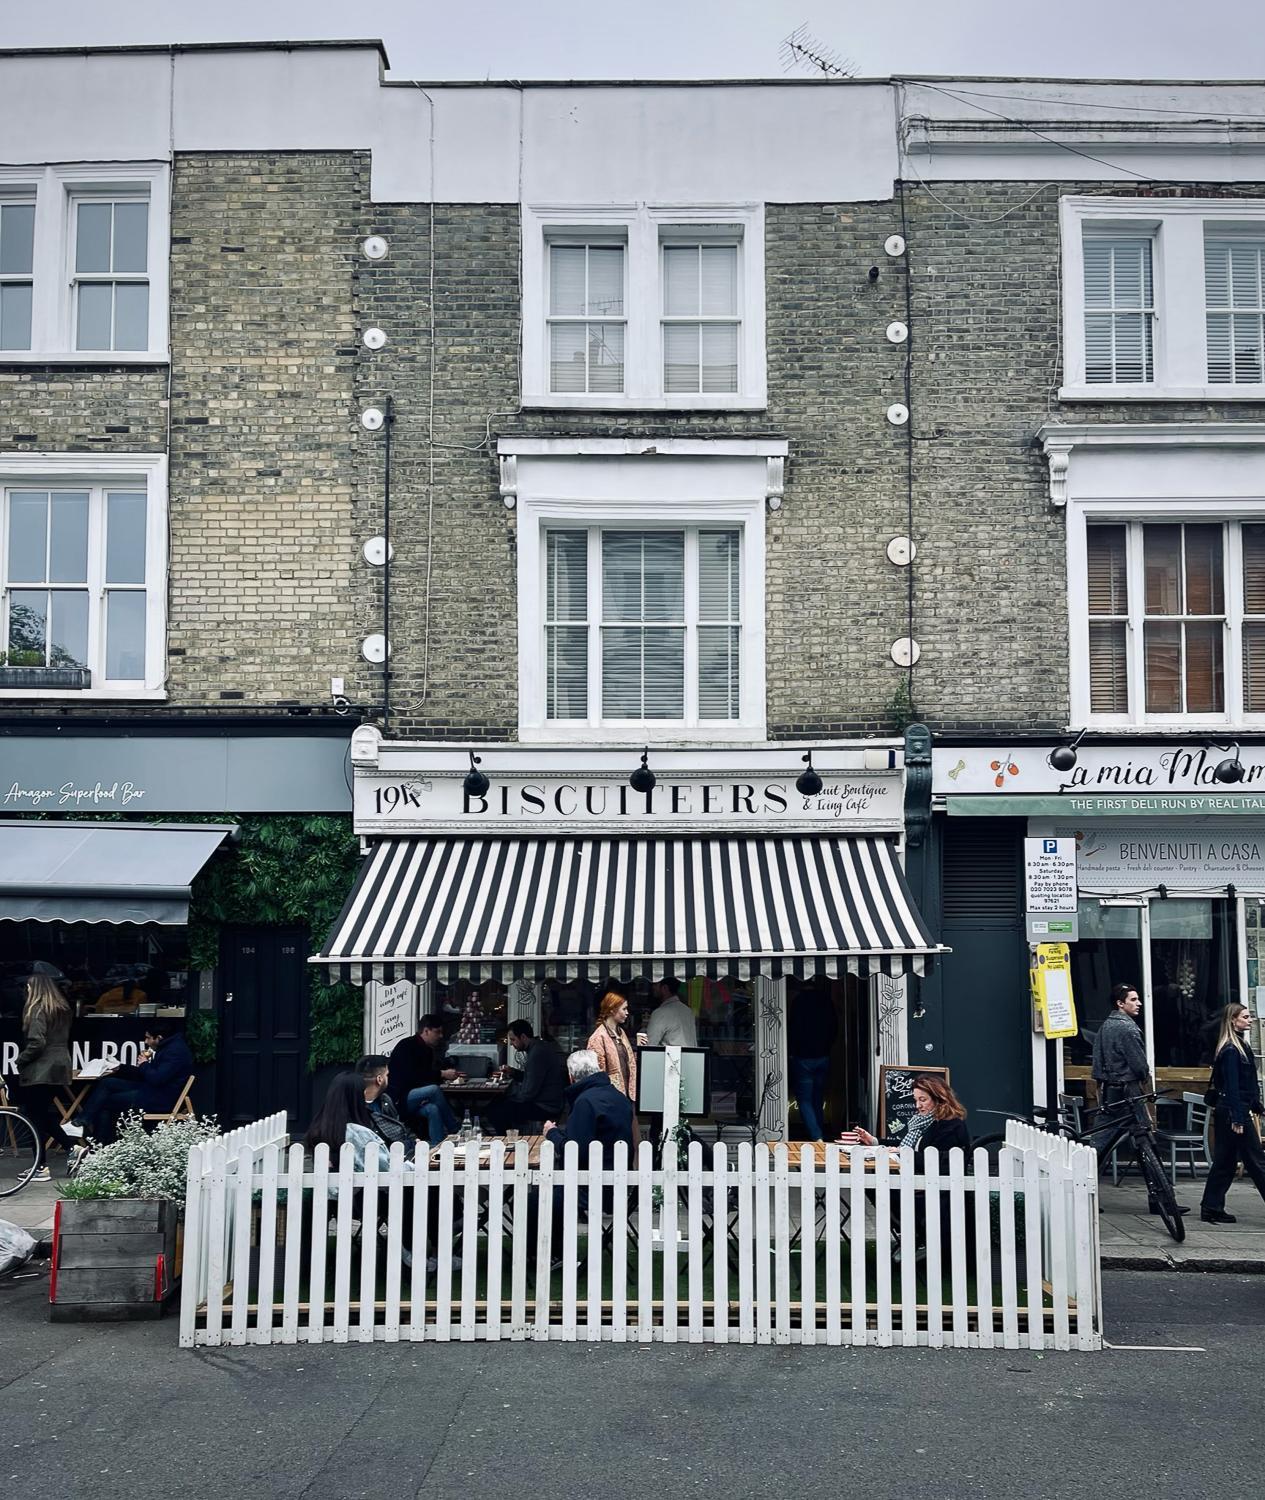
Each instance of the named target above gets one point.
<point>90,1411</point>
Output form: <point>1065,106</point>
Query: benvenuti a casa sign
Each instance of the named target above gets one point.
<point>433,801</point>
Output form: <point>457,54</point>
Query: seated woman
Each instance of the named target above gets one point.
<point>939,1120</point>
<point>344,1118</point>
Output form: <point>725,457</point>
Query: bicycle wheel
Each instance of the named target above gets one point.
<point>992,1144</point>
<point>1161,1189</point>
<point>19,1152</point>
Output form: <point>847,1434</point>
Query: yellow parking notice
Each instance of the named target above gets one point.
<point>1051,975</point>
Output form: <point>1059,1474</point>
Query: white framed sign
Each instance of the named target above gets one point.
<point>1049,874</point>
<point>390,1014</point>
<point>391,801</point>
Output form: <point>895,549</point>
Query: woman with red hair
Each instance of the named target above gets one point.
<point>615,1055</point>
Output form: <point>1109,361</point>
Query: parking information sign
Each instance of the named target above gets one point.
<point>1050,874</point>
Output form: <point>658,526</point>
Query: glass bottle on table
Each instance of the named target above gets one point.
<point>467,1127</point>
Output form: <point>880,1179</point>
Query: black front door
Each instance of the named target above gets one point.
<point>263,1024</point>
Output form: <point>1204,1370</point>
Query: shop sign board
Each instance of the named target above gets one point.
<point>392,1014</point>
<point>1178,855</point>
<point>1132,778</point>
<point>1051,980</point>
<point>1049,872</point>
<point>430,802</point>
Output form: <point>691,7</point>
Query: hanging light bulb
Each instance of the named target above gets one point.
<point>1230,772</point>
<point>808,783</point>
<point>1063,757</point>
<point>643,778</point>
<point>476,783</point>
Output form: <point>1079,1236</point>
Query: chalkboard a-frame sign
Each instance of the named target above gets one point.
<point>896,1096</point>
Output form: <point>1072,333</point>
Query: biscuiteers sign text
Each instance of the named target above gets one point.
<point>386,801</point>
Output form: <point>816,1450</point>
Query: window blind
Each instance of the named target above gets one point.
<point>586,312</point>
<point>566,625</point>
<point>1107,569</point>
<point>719,625</point>
<point>1119,310</point>
<point>643,624</point>
<point>1254,619</point>
<point>1234,273</point>
<point>700,318</point>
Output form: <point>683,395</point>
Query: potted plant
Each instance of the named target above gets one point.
<point>26,667</point>
<point>116,1226</point>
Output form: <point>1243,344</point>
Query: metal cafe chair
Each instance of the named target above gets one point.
<point>1192,1142</point>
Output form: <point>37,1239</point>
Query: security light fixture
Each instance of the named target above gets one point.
<point>476,783</point>
<point>808,783</point>
<point>1063,757</point>
<point>643,778</point>
<point>1229,772</point>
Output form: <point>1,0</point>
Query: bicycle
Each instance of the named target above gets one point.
<point>20,1154</point>
<point>1125,1117</point>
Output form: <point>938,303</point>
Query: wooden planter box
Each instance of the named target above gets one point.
<point>113,1258</point>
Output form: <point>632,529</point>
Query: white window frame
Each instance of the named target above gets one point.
<point>135,471</point>
<point>613,482</point>
<point>644,228</point>
<point>1177,228</point>
<point>1083,513</point>
<point>56,190</point>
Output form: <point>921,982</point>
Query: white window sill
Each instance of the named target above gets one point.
<point>89,695</point>
<point>644,403</point>
<point>629,732</point>
<point>1162,393</point>
<point>84,357</point>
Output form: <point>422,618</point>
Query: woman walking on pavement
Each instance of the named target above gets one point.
<point>1237,1100</point>
<point>44,1061</point>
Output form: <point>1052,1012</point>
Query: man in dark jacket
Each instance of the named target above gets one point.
<point>597,1110</point>
<point>1120,1067</point>
<point>374,1072</point>
<point>539,1091</point>
<point>153,1085</point>
<point>416,1076</point>
<point>810,1036</point>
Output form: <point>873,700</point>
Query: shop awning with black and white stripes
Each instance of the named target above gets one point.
<point>534,908</point>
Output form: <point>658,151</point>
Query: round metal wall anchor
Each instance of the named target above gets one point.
<point>371,419</point>
<point>375,550</point>
<point>894,244</point>
<point>374,338</point>
<point>374,648</point>
<point>905,652</point>
<point>898,414</point>
<point>901,551</point>
<point>897,333</point>
<point>375,247</point>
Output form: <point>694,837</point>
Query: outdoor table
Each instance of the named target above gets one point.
<point>476,1089</point>
<point>79,1088</point>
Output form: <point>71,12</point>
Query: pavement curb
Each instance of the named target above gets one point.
<point>1216,1265</point>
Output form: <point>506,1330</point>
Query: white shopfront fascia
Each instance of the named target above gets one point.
<point>406,788</point>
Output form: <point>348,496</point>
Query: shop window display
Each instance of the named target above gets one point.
<point>724,1012</point>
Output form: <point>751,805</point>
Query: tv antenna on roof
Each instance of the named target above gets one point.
<point>802,50</point>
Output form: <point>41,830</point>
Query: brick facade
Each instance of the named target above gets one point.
<point>991,608</point>
<point>834,603</point>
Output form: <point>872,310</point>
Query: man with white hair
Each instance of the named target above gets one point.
<point>597,1111</point>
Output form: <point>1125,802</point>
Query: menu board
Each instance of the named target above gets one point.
<point>896,1096</point>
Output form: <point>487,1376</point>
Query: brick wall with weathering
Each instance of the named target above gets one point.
<point>834,603</point>
<point>264,552</point>
<point>991,599</point>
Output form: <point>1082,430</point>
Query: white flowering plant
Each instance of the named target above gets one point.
<point>141,1163</point>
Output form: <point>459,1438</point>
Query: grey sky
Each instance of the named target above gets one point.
<point>698,38</point>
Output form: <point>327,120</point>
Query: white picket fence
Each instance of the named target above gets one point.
<point>282,1249</point>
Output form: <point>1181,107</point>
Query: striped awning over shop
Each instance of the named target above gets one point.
<point>509,908</point>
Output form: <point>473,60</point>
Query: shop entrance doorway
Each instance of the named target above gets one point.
<point>263,1011</point>
<point>835,1014</point>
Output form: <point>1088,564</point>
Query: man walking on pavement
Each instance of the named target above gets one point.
<point>1120,1066</point>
